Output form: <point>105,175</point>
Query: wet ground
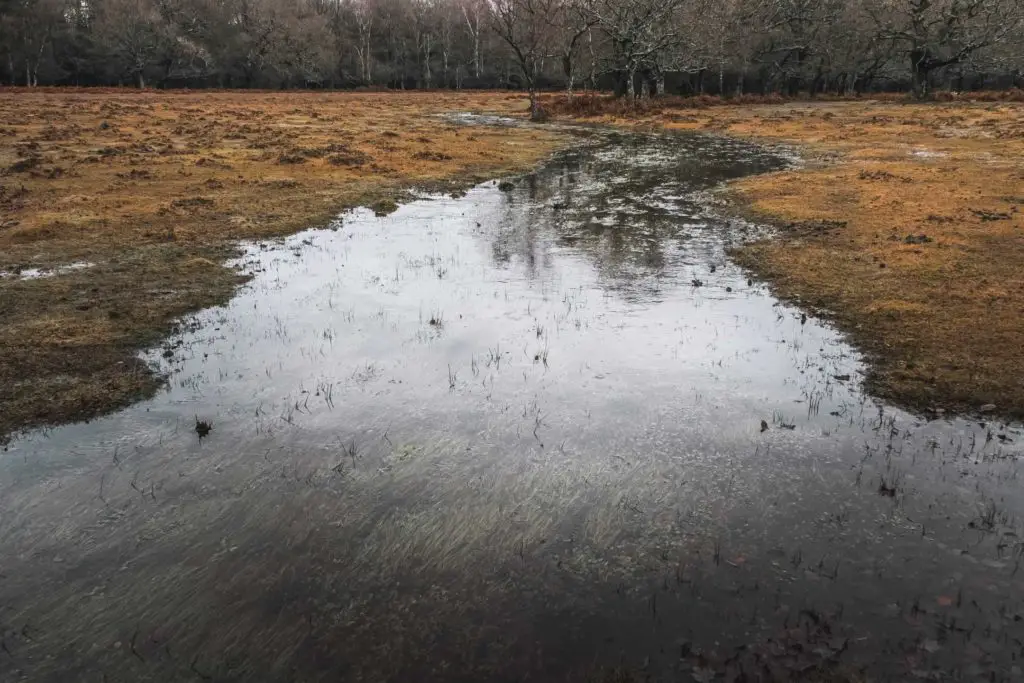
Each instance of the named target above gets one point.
<point>541,431</point>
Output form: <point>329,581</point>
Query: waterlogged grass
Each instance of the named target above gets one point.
<point>155,188</point>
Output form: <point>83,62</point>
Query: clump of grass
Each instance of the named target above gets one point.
<point>24,165</point>
<point>432,156</point>
<point>889,486</point>
<point>203,427</point>
<point>349,158</point>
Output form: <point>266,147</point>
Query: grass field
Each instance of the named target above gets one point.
<point>153,190</point>
<point>905,226</point>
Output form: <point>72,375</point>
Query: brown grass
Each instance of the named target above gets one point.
<point>601,104</point>
<point>155,188</point>
<point>906,227</point>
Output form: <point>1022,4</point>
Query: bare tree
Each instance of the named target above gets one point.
<point>473,11</point>
<point>527,27</point>
<point>447,21</point>
<point>26,29</point>
<point>574,22</point>
<point>638,32</point>
<point>934,34</point>
<point>424,27</point>
<point>134,32</point>
<point>363,19</point>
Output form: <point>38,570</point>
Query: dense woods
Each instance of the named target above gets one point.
<point>637,47</point>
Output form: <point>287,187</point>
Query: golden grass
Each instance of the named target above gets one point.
<point>154,188</point>
<point>906,228</point>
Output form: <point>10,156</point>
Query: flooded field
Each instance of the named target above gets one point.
<point>542,431</point>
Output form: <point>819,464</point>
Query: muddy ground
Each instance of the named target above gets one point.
<point>151,191</point>
<point>904,225</point>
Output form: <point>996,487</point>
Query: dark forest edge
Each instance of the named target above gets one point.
<point>636,48</point>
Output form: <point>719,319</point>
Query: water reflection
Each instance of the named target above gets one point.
<point>531,432</point>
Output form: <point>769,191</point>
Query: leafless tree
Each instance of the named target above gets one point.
<point>933,34</point>
<point>638,33</point>
<point>574,22</point>
<point>528,27</point>
<point>474,11</point>
<point>362,16</point>
<point>26,30</point>
<point>134,32</point>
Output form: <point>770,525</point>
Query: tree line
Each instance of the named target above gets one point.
<point>637,47</point>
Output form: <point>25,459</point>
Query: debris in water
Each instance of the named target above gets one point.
<point>203,428</point>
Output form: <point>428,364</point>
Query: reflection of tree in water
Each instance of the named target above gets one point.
<point>626,207</point>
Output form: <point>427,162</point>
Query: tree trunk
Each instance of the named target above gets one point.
<point>593,60</point>
<point>364,60</point>
<point>630,85</point>
<point>142,81</point>
<point>427,51</point>
<point>567,69</point>
<point>919,68</point>
<point>619,88</point>
<point>535,111</point>
<point>659,84</point>
<point>476,53</point>
<point>474,32</point>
